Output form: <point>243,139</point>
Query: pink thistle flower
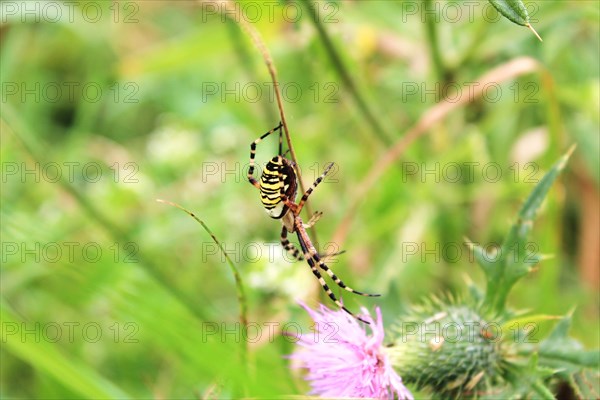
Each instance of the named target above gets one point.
<point>344,361</point>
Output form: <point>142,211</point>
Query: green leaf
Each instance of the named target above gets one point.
<point>569,359</point>
<point>529,209</point>
<point>562,351</point>
<point>516,258</point>
<point>514,10</point>
<point>529,378</point>
<point>529,319</point>
<point>486,260</point>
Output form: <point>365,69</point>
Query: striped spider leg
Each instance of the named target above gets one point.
<point>310,253</point>
<point>278,188</point>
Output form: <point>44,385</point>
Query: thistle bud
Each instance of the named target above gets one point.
<point>449,349</point>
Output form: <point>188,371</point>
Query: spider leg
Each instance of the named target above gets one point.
<point>297,254</point>
<point>316,259</point>
<point>291,249</point>
<point>313,220</point>
<point>317,274</point>
<point>310,189</point>
<point>251,178</point>
<point>337,280</point>
<point>327,256</point>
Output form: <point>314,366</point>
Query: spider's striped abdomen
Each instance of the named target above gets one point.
<point>270,191</point>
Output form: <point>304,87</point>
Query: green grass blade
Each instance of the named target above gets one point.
<point>46,358</point>
<point>239,284</point>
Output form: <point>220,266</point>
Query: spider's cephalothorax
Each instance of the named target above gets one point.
<point>278,186</point>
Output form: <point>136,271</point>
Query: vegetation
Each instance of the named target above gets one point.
<point>440,123</point>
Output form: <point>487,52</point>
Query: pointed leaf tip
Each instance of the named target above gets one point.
<point>567,156</point>
<point>528,25</point>
<point>535,199</point>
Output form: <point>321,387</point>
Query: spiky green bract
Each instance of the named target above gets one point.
<point>515,259</point>
<point>448,348</point>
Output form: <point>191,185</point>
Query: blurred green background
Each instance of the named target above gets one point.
<point>107,106</point>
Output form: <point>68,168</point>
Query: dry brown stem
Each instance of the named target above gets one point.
<point>256,38</point>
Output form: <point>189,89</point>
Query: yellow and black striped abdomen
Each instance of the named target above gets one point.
<point>270,190</point>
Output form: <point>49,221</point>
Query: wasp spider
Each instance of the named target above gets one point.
<point>278,187</point>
